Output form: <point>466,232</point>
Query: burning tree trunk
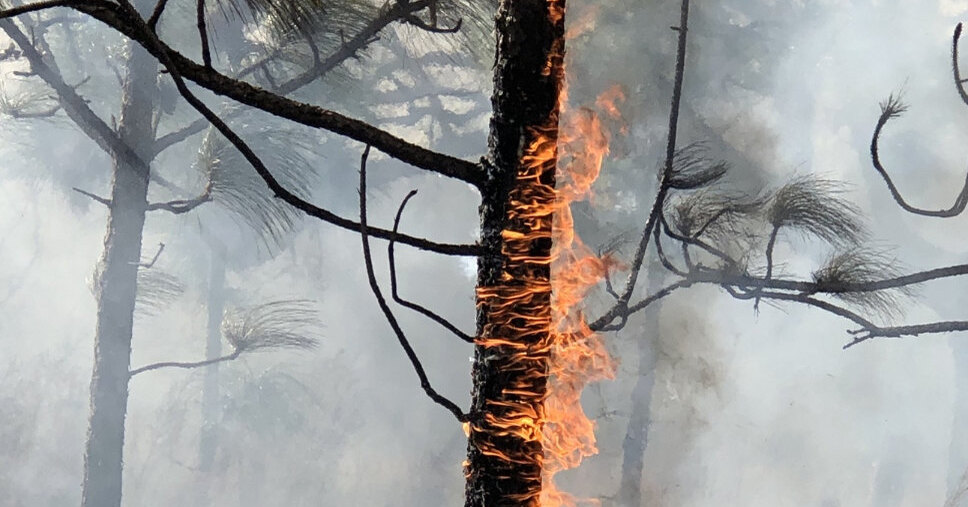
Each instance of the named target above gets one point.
<point>505,452</point>
<point>116,285</point>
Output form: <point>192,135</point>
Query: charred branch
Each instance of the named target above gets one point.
<point>126,20</point>
<point>432,27</point>
<point>959,82</point>
<point>277,188</point>
<point>203,33</point>
<point>347,50</point>
<point>393,282</point>
<point>667,172</point>
<point>893,108</point>
<point>387,312</point>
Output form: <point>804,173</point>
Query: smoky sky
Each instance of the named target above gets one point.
<point>747,408</point>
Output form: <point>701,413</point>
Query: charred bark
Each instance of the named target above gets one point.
<point>116,285</point>
<point>504,461</point>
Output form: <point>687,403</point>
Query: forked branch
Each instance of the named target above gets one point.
<point>393,282</point>
<point>388,313</point>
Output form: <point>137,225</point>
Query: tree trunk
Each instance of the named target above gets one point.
<point>958,447</point>
<point>211,407</point>
<point>637,431</point>
<point>505,452</point>
<point>116,285</point>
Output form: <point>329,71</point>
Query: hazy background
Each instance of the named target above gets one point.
<point>746,409</point>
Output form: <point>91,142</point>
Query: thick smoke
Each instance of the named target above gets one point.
<point>745,408</point>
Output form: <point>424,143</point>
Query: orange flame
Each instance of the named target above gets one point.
<point>578,356</point>
<point>537,320</point>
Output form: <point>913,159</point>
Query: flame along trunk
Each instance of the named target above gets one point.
<point>505,459</point>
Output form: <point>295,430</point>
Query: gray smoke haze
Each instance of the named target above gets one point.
<point>746,409</point>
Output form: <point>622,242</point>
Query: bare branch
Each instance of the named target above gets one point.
<point>151,264</point>
<point>959,82</point>
<point>203,32</point>
<point>665,178</point>
<point>190,365</point>
<point>393,282</point>
<point>388,313</point>
<point>102,200</point>
<point>893,108</point>
<point>769,260</point>
<point>604,323</point>
<point>35,7</point>
<point>864,334</point>
<point>156,13</point>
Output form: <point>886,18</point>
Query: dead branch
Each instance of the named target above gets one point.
<point>203,33</point>
<point>102,200</point>
<point>667,173</point>
<point>393,282</point>
<point>893,108</point>
<point>956,69</point>
<point>185,365</point>
<point>150,264</point>
<point>388,313</point>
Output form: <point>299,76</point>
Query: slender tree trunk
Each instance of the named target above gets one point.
<point>958,447</point>
<point>637,431</point>
<point>116,285</point>
<point>211,408</point>
<point>505,452</point>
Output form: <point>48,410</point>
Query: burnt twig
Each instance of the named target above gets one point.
<point>388,313</point>
<point>393,282</point>
<point>893,108</point>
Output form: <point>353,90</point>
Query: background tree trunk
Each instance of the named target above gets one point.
<point>503,467</point>
<point>211,405</point>
<point>637,431</point>
<point>116,286</point>
<point>958,449</point>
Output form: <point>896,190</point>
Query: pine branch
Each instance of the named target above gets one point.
<point>267,175</point>
<point>126,20</point>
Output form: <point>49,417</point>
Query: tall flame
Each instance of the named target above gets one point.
<point>535,318</point>
<point>579,356</point>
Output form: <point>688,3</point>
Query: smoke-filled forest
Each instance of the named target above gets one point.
<point>491,253</point>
